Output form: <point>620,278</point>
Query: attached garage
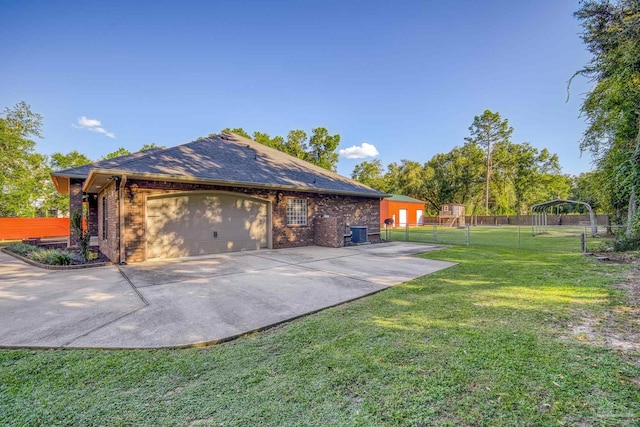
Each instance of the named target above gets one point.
<point>219,194</point>
<point>190,224</point>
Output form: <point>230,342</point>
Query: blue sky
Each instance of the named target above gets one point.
<point>406,77</point>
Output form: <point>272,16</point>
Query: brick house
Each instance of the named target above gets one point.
<point>218,194</point>
<point>403,210</point>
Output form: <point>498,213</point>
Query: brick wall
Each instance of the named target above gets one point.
<point>347,209</point>
<point>327,232</point>
<point>75,204</point>
<point>109,245</point>
<point>93,215</point>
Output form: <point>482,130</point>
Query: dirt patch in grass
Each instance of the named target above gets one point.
<point>617,327</point>
<point>618,257</point>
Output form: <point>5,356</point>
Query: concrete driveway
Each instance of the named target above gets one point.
<point>182,302</point>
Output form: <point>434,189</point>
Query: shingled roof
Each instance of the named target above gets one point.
<point>226,159</point>
<point>61,178</point>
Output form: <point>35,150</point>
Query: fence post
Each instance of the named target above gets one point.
<point>406,232</point>
<point>467,235</point>
<point>583,242</point>
<point>435,232</point>
<point>518,236</point>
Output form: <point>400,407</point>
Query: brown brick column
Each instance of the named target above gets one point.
<point>75,204</point>
<point>327,232</point>
<point>93,215</point>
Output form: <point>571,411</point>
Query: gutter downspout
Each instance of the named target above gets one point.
<point>121,197</point>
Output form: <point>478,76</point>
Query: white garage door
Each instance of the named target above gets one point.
<point>200,224</point>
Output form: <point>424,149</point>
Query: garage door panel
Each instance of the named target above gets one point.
<point>200,224</point>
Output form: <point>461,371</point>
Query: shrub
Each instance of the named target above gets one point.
<point>22,248</point>
<point>43,256</point>
<point>51,257</point>
<point>623,243</point>
<point>82,234</point>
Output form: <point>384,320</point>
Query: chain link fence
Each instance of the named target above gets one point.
<point>557,238</point>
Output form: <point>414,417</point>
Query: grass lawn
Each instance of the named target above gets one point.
<point>560,239</point>
<point>496,340</point>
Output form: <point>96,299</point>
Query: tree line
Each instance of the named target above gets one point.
<point>611,33</point>
<point>25,182</point>
<point>319,149</point>
<point>489,173</point>
<point>28,191</point>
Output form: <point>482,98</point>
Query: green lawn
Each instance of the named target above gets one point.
<point>488,342</point>
<point>556,239</point>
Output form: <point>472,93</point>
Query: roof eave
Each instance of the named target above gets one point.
<point>57,182</point>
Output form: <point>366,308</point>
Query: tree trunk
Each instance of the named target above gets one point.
<point>486,193</point>
<point>631,211</point>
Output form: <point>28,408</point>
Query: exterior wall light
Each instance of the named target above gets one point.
<point>133,190</point>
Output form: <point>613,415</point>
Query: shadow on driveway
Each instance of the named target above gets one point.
<point>193,301</point>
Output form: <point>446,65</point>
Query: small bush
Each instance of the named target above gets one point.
<point>82,234</point>
<point>22,248</point>
<point>51,257</point>
<point>623,243</point>
<point>43,256</point>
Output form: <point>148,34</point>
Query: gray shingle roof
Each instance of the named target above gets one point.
<point>83,171</point>
<point>229,159</point>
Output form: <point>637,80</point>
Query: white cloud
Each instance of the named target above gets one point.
<point>89,123</point>
<point>92,125</point>
<point>359,152</point>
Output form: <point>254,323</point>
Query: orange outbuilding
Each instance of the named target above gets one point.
<point>403,210</point>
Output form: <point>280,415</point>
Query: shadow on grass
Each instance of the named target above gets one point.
<point>471,345</point>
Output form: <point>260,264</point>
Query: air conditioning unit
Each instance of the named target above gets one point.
<point>358,234</point>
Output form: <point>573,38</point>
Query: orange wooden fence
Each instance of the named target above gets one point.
<point>24,228</point>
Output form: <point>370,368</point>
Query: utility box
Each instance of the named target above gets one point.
<point>358,234</point>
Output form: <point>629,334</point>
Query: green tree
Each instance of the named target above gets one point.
<point>23,169</point>
<point>237,131</point>
<point>611,32</point>
<point>51,199</point>
<point>392,178</point>
<point>467,169</point>
<point>296,144</point>
<point>151,146</point>
<point>487,130</point>
<point>412,179</point>
<point>72,159</point>
<point>591,187</point>
<point>523,170</point>
<point>370,173</point>
<point>276,142</point>
<point>322,148</point>
<point>118,153</point>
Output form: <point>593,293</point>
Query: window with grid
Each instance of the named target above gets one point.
<point>296,211</point>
